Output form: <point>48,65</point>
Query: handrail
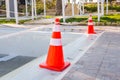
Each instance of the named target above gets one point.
<point>11,11</point>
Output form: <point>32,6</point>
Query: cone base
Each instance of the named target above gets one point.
<point>92,33</point>
<point>44,65</point>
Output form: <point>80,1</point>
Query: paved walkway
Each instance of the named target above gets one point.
<point>100,62</point>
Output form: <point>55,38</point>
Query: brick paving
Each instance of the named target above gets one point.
<point>100,62</point>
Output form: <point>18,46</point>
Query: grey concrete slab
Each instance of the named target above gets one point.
<point>32,43</point>
<point>4,30</point>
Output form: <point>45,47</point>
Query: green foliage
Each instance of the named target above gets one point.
<point>74,19</point>
<point>50,4</point>
<point>111,18</point>
<point>91,7</point>
<point>47,17</point>
<point>11,21</point>
<point>23,21</point>
<point>40,5</point>
<point>2,21</point>
<point>3,7</point>
<point>106,18</point>
<point>114,7</point>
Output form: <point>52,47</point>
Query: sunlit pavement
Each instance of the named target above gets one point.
<point>91,56</point>
<point>20,45</point>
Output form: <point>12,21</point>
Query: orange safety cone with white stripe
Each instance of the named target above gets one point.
<point>91,26</point>
<point>55,58</point>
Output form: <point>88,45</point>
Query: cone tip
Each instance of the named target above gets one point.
<point>57,21</point>
<point>90,15</point>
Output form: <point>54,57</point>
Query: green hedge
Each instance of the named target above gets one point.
<point>106,18</point>
<point>2,21</point>
<point>115,7</point>
<point>11,21</point>
<point>74,19</point>
<point>40,5</point>
<point>93,7</point>
<point>111,18</point>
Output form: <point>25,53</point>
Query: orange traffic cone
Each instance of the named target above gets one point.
<point>55,59</point>
<point>57,21</point>
<point>91,26</point>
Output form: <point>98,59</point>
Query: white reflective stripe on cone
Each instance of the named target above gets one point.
<point>90,18</point>
<point>90,23</point>
<point>56,28</point>
<point>55,42</point>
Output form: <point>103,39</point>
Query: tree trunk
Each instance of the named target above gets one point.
<point>110,2</point>
<point>58,7</point>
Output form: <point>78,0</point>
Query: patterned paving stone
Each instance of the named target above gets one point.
<point>100,62</point>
